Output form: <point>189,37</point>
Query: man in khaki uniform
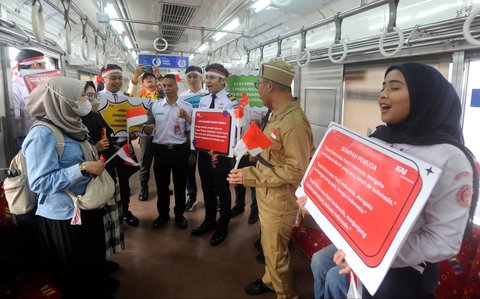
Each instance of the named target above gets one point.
<point>277,175</point>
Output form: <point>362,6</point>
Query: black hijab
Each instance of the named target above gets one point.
<point>434,118</point>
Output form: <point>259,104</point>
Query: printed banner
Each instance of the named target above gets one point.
<point>115,114</point>
<point>213,129</point>
<point>238,84</point>
<point>365,196</point>
<point>38,78</point>
<point>163,61</point>
<point>194,100</point>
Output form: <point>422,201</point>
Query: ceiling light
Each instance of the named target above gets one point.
<point>260,5</point>
<point>202,48</point>
<point>229,27</point>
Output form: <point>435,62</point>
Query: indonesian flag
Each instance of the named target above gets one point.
<point>123,153</point>
<point>254,142</point>
<point>239,112</point>
<point>136,116</point>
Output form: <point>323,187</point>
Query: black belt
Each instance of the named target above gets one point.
<point>171,146</point>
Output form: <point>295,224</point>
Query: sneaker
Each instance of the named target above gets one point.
<point>236,210</point>
<point>160,222</point>
<point>191,203</point>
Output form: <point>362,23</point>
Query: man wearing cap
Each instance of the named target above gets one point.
<point>194,80</point>
<point>113,79</point>
<point>277,175</point>
<point>26,60</point>
<point>214,168</point>
<point>171,119</point>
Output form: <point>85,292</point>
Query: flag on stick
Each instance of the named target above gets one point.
<point>136,116</point>
<point>253,142</point>
<point>123,153</point>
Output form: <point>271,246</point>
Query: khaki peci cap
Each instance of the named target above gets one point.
<point>278,71</point>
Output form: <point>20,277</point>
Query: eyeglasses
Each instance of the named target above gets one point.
<point>92,96</point>
<point>257,84</point>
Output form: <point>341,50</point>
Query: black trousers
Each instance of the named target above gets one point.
<point>241,190</point>
<point>214,183</point>
<point>75,254</point>
<point>403,283</point>
<point>116,168</point>
<point>146,147</point>
<point>174,162</point>
<point>192,180</point>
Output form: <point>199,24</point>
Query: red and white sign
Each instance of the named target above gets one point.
<point>366,197</point>
<point>213,129</point>
<point>40,78</point>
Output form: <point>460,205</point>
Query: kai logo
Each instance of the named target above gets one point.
<point>401,170</point>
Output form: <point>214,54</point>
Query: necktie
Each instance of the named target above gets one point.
<point>212,104</point>
<point>115,97</point>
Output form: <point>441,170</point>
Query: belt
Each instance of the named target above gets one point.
<point>420,267</point>
<point>171,146</point>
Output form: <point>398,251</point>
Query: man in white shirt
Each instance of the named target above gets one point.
<point>214,168</point>
<point>194,80</point>
<point>171,119</point>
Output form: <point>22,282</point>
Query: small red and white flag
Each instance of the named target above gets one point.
<point>253,142</point>
<point>123,153</point>
<point>136,116</point>
<point>239,112</point>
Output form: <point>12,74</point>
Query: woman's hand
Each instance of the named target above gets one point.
<point>339,260</point>
<point>236,176</point>
<point>301,201</point>
<point>94,168</point>
<point>102,145</point>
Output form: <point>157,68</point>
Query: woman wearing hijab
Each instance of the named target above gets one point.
<point>100,135</point>
<point>422,113</point>
<point>74,252</point>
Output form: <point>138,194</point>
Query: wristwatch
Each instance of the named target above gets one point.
<point>83,169</point>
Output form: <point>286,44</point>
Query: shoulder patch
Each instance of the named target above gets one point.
<point>231,97</point>
<point>205,94</point>
<point>127,94</point>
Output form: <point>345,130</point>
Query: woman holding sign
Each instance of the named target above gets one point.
<point>422,114</point>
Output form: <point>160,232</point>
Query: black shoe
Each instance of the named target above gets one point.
<point>257,287</point>
<point>159,222</point>
<point>253,217</point>
<point>191,202</point>
<point>143,195</point>
<point>203,228</point>
<point>111,267</point>
<point>130,219</point>
<point>218,237</point>
<point>258,245</point>
<point>236,210</point>
<point>181,222</point>
<point>260,258</point>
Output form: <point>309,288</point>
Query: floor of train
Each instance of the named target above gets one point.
<point>170,263</point>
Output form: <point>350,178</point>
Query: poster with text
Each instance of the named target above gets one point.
<point>213,129</point>
<point>115,113</point>
<point>245,83</point>
<point>33,80</point>
<point>365,196</point>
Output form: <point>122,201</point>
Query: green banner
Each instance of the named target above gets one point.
<point>243,83</point>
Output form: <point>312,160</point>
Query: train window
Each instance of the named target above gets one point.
<point>471,120</point>
<point>361,91</point>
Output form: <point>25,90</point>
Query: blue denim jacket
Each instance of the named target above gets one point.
<point>49,175</point>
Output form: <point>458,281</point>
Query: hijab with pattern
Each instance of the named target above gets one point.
<point>56,101</point>
<point>434,117</point>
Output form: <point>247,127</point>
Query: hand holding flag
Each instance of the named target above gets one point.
<point>253,142</point>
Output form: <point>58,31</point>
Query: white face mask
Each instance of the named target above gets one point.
<point>84,108</point>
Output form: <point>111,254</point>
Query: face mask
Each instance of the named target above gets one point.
<point>83,109</point>
<point>95,105</point>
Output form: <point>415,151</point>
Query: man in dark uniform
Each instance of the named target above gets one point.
<point>214,168</point>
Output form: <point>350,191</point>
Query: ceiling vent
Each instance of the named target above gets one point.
<point>178,15</point>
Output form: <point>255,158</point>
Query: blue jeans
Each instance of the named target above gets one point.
<point>327,282</point>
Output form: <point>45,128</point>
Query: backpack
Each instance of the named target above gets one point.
<point>21,200</point>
